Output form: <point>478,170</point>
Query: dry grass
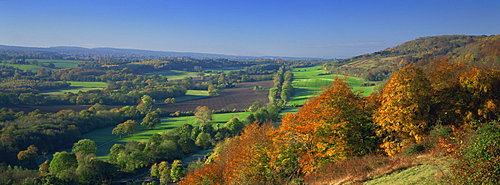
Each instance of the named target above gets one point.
<point>429,168</point>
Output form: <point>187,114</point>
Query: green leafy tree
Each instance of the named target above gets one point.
<point>63,165</point>
<point>95,171</point>
<point>255,105</point>
<point>177,171</point>
<point>129,112</point>
<point>184,131</point>
<point>204,140</point>
<point>146,104</point>
<point>31,99</point>
<point>127,127</point>
<point>234,125</point>
<point>221,79</point>
<point>129,157</point>
<point>151,119</point>
<point>162,171</point>
<point>119,129</point>
<point>212,91</point>
<point>273,94</point>
<point>188,145</point>
<point>86,146</point>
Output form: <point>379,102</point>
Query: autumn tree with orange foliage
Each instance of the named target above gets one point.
<point>328,128</point>
<point>403,117</point>
<point>483,90</point>
<point>244,161</point>
<point>444,75</point>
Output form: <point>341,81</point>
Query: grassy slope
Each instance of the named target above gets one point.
<point>430,170</point>
<point>77,86</point>
<point>393,59</point>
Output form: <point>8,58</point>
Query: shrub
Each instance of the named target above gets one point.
<point>478,155</point>
<point>414,149</point>
<point>438,131</point>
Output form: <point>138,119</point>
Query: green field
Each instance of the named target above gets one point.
<point>191,95</point>
<point>225,69</point>
<point>76,87</point>
<point>58,63</point>
<point>33,68</point>
<point>173,74</point>
<point>178,74</point>
<point>107,140</point>
<point>309,81</point>
<point>288,110</point>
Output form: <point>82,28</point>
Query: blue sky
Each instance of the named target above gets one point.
<point>306,28</point>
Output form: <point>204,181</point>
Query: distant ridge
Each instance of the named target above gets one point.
<point>71,51</point>
<point>476,50</point>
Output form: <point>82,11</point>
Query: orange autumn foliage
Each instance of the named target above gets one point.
<point>244,161</point>
<point>329,127</point>
<point>482,90</point>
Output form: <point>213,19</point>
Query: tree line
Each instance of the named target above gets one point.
<point>282,89</point>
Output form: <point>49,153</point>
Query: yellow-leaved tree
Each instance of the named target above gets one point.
<point>403,117</point>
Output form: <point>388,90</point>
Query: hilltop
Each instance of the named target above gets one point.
<point>480,51</point>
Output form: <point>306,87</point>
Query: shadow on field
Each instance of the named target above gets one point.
<point>62,89</point>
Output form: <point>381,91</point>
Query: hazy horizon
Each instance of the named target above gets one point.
<point>317,29</point>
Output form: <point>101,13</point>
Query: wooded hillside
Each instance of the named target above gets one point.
<point>479,51</point>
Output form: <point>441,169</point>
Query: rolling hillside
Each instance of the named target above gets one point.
<point>480,51</point>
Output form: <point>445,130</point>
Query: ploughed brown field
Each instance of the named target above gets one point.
<point>228,99</point>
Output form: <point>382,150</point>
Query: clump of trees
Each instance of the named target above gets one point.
<point>51,131</point>
<point>78,167</point>
<point>128,127</point>
<point>282,89</point>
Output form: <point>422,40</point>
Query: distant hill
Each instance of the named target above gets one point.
<point>80,52</point>
<point>481,51</point>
